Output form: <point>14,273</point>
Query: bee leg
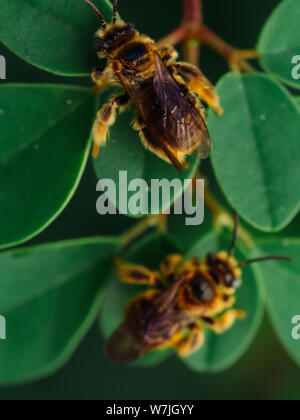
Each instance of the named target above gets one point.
<point>170,265</point>
<point>189,345</point>
<point>98,76</point>
<point>106,118</point>
<point>197,82</point>
<point>137,274</point>
<point>225,322</point>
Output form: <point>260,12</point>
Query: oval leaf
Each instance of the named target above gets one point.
<point>282,282</point>
<point>256,153</point>
<point>125,153</point>
<point>50,295</point>
<point>44,147</point>
<point>221,351</point>
<point>149,252</point>
<point>279,44</point>
<point>53,35</point>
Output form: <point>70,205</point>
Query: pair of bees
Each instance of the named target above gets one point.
<point>184,296</point>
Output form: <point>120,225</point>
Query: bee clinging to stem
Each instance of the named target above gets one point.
<point>184,297</point>
<point>165,93</point>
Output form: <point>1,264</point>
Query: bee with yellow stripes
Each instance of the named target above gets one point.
<point>183,298</point>
<point>165,93</point>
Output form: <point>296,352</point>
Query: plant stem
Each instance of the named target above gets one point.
<point>193,12</point>
<point>174,37</point>
<point>192,33</point>
<point>215,42</point>
<point>193,20</point>
<point>150,222</point>
<point>222,219</point>
<point>237,59</point>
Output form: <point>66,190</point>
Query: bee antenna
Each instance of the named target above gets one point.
<point>274,258</point>
<point>235,234</point>
<point>97,12</point>
<point>114,19</point>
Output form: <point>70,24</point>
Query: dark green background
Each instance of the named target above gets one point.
<point>265,372</point>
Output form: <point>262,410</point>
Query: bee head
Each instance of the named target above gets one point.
<point>224,269</point>
<point>114,36</point>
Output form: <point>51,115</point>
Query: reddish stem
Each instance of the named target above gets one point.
<point>193,12</point>
<point>192,33</point>
<point>193,21</point>
<point>174,37</point>
<point>214,41</point>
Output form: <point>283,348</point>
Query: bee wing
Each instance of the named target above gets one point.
<point>122,346</point>
<point>183,124</point>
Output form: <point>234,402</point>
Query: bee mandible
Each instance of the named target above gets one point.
<point>184,298</point>
<point>165,93</point>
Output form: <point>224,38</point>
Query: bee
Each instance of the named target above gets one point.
<point>165,93</point>
<point>184,297</point>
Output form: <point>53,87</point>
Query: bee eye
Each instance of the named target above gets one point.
<point>101,44</point>
<point>230,280</point>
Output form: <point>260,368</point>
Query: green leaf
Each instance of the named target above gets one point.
<point>118,294</point>
<point>256,153</point>
<point>125,153</point>
<point>221,351</point>
<point>282,283</point>
<point>44,147</point>
<point>50,295</point>
<point>280,41</point>
<point>187,236</point>
<point>56,36</point>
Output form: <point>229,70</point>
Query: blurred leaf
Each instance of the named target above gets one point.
<point>44,147</point>
<point>50,295</point>
<point>256,153</point>
<point>119,294</point>
<point>221,351</point>
<point>125,152</point>
<point>282,282</point>
<point>280,41</point>
<point>187,236</point>
<point>53,35</point>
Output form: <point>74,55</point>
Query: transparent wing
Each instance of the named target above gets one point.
<point>181,119</point>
